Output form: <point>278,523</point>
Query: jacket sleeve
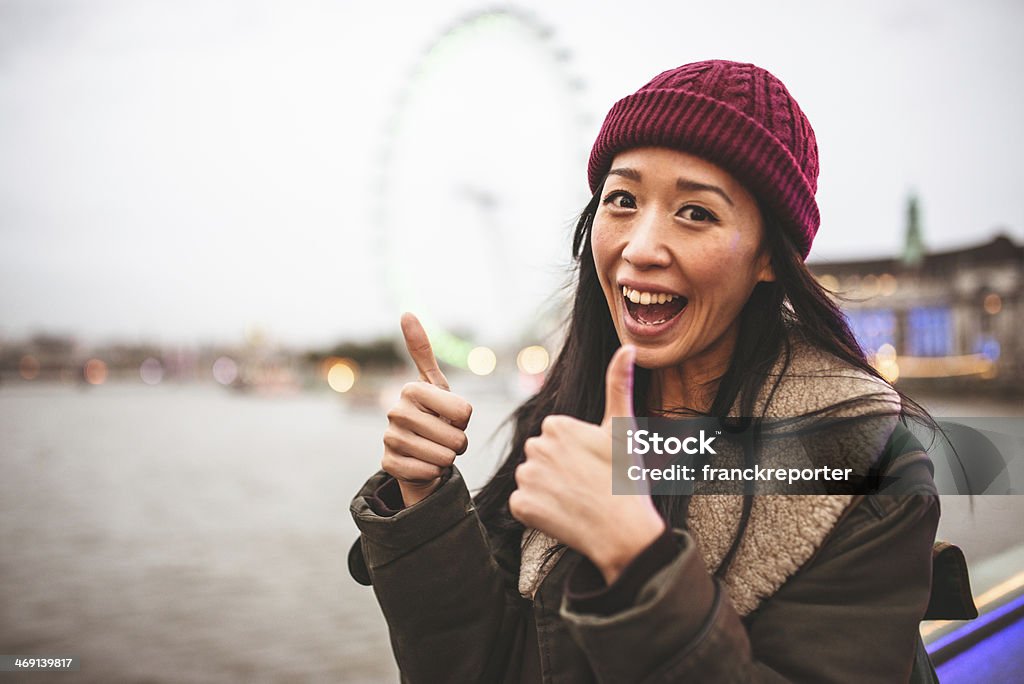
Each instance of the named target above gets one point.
<point>446,602</point>
<point>852,613</point>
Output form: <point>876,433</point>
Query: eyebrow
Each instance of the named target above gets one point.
<point>681,183</point>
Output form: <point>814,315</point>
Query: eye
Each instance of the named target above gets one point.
<point>620,199</point>
<point>692,212</point>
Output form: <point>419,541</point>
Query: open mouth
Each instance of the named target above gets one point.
<point>652,308</point>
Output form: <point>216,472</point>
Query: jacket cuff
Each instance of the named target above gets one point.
<point>586,589</point>
<point>387,537</point>
<point>387,500</point>
<point>673,612</point>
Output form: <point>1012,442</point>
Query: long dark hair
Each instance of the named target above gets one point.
<point>793,303</point>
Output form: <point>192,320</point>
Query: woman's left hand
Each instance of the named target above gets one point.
<point>565,483</point>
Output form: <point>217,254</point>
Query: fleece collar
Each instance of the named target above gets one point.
<point>784,530</point>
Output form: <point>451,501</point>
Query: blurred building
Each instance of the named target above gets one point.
<point>939,319</point>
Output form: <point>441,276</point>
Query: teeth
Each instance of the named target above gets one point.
<point>645,298</point>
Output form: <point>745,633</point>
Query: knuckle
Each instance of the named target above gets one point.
<point>395,441</point>
<point>553,423</point>
<point>462,443</point>
<point>411,389</point>
<point>524,474</point>
<point>539,447</point>
<point>447,457</point>
<point>519,506</point>
<point>403,413</point>
<point>460,411</point>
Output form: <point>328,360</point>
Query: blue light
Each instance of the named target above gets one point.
<point>997,658</point>
<point>987,346</point>
<point>930,331</point>
<point>872,328</point>
<point>975,625</point>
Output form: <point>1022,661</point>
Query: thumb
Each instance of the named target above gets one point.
<point>619,385</point>
<point>418,344</point>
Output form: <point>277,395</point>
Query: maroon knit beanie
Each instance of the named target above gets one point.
<point>737,116</point>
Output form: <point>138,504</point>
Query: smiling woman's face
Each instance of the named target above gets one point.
<point>677,244</point>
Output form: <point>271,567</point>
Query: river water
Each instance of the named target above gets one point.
<point>188,533</point>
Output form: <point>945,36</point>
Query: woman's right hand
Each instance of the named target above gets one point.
<point>427,427</point>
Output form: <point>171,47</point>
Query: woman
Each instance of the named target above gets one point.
<point>690,266</point>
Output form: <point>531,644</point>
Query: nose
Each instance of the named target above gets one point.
<point>646,247</point>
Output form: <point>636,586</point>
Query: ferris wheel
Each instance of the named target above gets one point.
<point>480,175</point>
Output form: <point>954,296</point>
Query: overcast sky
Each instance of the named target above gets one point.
<point>177,171</point>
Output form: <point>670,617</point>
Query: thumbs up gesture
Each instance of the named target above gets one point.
<point>565,483</point>
<point>427,427</point>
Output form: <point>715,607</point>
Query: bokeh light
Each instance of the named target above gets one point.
<point>887,284</point>
<point>885,363</point>
<point>990,349</point>
<point>993,303</point>
<point>829,282</point>
<point>886,353</point>
<point>95,372</point>
<point>225,370</point>
<point>533,359</point>
<point>482,360</point>
<point>869,286</point>
<point>342,375</point>
<point>28,367</point>
<point>151,371</point>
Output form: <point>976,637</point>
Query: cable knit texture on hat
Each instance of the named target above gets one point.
<point>735,115</point>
